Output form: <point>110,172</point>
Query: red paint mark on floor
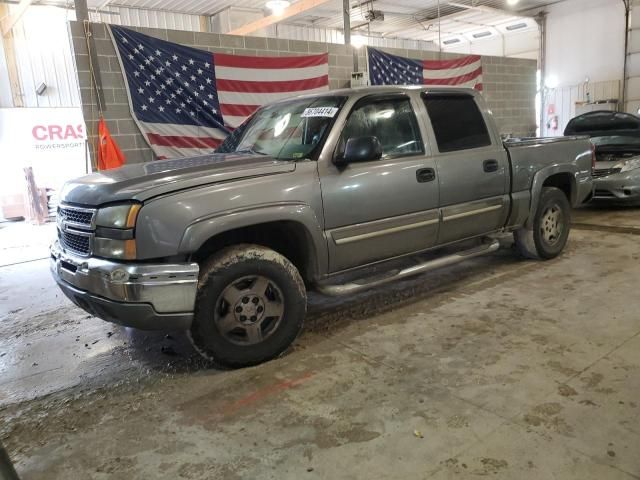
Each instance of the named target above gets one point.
<point>266,392</point>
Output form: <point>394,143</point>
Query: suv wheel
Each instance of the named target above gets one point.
<point>551,226</point>
<point>250,306</point>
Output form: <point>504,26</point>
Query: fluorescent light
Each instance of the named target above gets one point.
<point>358,41</point>
<point>511,3</point>
<point>277,7</point>
<point>516,26</point>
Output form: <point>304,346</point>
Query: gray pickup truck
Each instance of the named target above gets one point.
<point>329,192</point>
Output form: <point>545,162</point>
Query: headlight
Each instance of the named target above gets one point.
<point>115,231</point>
<point>631,164</point>
<point>118,216</point>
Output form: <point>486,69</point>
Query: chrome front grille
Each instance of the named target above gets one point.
<point>80,217</point>
<point>76,229</point>
<point>75,242</point>
<point>603,172</point>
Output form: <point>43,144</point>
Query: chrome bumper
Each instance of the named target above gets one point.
<point>140,295</point>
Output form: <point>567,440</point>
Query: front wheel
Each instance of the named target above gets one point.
<point>551,226</point>
<point>250,306</point>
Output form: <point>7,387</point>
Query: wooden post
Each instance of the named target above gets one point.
<point>12,64</point>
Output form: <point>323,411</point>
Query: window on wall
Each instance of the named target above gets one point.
<point>392,121</point>
<point>457,122</point>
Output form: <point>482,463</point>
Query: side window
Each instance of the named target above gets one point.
<point>457,122</point>
<point>391,120</point>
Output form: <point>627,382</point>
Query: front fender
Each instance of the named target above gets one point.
<point>197,233</point>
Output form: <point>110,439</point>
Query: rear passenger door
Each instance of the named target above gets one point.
<point>472,167</point>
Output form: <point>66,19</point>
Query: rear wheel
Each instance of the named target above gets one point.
<point>551,226</point>
<point>250,306</point>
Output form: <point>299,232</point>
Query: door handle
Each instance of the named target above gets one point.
<point>490,165</point>
<point>425,175</point>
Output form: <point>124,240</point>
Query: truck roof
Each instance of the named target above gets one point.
<point>400,88</point>
<point>387,88</point>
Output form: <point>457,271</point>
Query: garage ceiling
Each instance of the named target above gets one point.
<point>461,20</point>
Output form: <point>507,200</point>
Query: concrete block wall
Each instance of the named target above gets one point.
<point>509,83</point>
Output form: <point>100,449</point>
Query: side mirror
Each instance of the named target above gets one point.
<point>360,149</point>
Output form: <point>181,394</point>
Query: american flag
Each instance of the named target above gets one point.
<point>186,100</point>
<point>387,69</point>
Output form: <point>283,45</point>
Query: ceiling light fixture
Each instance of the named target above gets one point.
<point>277,7</point>
<point>511,3</point>
<point>516,26</point>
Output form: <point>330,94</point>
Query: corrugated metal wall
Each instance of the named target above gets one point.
<point>147,18</point>
<point>42,45</point>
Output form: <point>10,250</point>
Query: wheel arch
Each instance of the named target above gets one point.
<point>291,230</point>
<point>561,177</point>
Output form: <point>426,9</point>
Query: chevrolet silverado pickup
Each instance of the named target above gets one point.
<point>315,192</point>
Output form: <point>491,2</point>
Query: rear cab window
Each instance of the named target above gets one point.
<point>456,121</point>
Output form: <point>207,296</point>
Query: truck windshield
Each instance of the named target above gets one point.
<point>286,131</point>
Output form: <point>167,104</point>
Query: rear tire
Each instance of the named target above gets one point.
<point>551,226</point>
<point>250,306</point>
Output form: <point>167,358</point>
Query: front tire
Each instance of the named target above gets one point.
<point>250,306</point>
<point>551,226</point>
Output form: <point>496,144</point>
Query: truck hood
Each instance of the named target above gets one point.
<point>146,180</point>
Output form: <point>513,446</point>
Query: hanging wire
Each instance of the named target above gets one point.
<point>93,89</point>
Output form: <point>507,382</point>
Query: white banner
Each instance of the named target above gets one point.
<point>51,140</point>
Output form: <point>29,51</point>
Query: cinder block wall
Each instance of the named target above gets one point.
<point>509,83</point>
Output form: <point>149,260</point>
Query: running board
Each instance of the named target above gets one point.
<point>376,280</point>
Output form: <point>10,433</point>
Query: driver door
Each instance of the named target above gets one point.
<point>380,209</point>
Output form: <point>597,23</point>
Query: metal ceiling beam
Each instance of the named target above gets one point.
<point>295,9</point>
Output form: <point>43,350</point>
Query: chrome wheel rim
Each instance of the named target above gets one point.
<point>552,224</point>
<point>249,310</point>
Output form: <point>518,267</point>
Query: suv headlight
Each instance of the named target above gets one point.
<point>115,231</point>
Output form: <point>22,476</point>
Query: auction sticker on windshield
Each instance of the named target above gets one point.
<point>328,112</point>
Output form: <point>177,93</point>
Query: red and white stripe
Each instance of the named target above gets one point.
<point>245,83</point>
<point>169,140</point>
<point>462,72</point>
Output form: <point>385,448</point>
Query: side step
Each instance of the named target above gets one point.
<point>366,283</point>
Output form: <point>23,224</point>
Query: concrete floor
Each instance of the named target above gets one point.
<point>502,367</point>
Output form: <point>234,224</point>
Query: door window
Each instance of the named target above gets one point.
<point>392,121</point>
<point>457,122</point>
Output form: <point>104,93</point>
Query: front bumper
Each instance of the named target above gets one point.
<point>140,295</point>
<point>620,188</point>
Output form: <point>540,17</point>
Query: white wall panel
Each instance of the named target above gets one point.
<point>44,56</point>
<point>585,38</point>
<point>564,100</point>
<point>147,18</point>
